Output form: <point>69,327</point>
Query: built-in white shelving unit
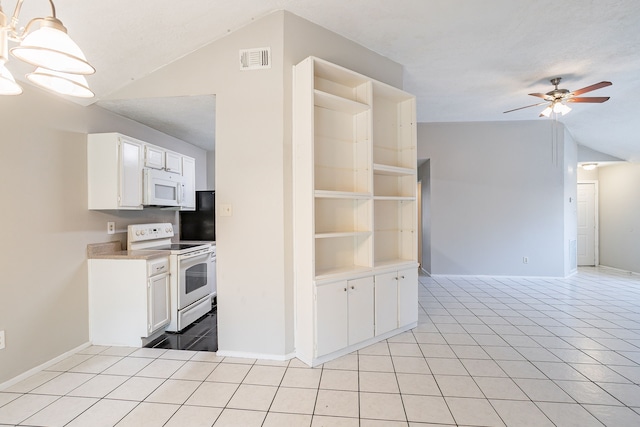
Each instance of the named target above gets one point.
<point>355,208</point>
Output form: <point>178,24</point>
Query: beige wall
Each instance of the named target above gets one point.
<point>253,167</point>
<point>46,224</point>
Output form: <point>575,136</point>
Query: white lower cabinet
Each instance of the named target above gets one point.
<point>158,302</point>
<point>407,296</point>
<point>344,314</point>
<point>127,305</point>
<point>386,286</point>
<point>396,296</point>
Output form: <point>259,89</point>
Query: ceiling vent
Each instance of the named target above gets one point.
<point>255,59</point>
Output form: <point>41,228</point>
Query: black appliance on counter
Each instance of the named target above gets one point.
<point>201,223</point>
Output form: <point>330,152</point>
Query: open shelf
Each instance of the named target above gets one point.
<point>346,252</point>
<point>394,128</point>
<point>394,230</point>
<point>341,215</point>
<point>337,103</point>
<point>398,186</point>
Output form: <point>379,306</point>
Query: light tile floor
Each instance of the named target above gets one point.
<point>488,351</point>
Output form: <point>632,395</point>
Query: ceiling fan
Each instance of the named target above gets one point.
<point>556,99</point>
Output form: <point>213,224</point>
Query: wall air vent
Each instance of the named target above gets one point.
<point>255,59</point>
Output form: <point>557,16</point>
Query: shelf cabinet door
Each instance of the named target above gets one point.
<point>157,302</point>
<point>386,297</point>
<point>331,317</point>
<point>153,157</point>
<point>407,296</point>
<point>360,309</point>
<point>130,189</point>
<point>173,162</point>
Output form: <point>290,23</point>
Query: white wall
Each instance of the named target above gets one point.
<point>253,166</point>
<point>497,195</point>
<point>46,224</point>
<point>619,207</point>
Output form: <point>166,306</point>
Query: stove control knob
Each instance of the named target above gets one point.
<point>143,232</point>
<point>138,233</point>
<point>168,230</point>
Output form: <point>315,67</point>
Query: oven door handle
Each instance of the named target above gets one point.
<point>189,255</point>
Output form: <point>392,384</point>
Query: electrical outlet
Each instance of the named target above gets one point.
<point>225,210</point>
<point>525,260</point>
<point>2,343</point>
<point>111,227</point>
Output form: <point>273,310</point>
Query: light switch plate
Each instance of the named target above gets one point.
<point>2,343</point>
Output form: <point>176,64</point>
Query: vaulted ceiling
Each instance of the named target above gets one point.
<point>464,60</point>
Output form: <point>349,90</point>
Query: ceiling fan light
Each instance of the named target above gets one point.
<point>561,108</point>
<point>51,47</point>
<point>62,83</point>
<point>589,166</point>
<point>547,111</point>
<point>8,85</point>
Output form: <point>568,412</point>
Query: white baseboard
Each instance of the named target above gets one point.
<point>42,367</point>
<point>619,270</point>
<point>249,355</point>
<point>487,276</point>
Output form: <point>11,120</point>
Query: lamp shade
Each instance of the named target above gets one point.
<point>8,85</point>
<point>51,47</point>
<point>547,111</point>
<point>62,83</point>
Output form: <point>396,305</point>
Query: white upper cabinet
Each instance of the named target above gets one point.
<point>173,162</point>
<point>115,165</point>
<point>189,175</point>
<point>153,157</point>
<point>114,171</point>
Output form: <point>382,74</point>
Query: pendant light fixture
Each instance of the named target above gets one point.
<point>61,64</point>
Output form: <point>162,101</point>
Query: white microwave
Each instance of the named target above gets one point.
<point>162,188</point>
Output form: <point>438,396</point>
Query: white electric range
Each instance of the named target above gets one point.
<point>191,266</point>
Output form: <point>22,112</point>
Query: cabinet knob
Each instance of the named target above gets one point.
<point>345,289</point>
<point>402,277</point>
<point>353,287</point>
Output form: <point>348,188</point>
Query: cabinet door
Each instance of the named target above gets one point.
<point>130,185</point>
<point>157,302</point>
<point>360,309</point>
<point>189,176</point>
<point>173,162</point>
<point>331,318</point>
<point>407,296</point>
<point>386,296</point>
<point>153,157</point>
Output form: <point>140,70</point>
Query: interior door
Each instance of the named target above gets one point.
<point>586,224</point>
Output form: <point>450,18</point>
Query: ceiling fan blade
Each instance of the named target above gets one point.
<point>528,106</point>
<point>590,88</point>
<point>595,99</point>
<point>543,96</point>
